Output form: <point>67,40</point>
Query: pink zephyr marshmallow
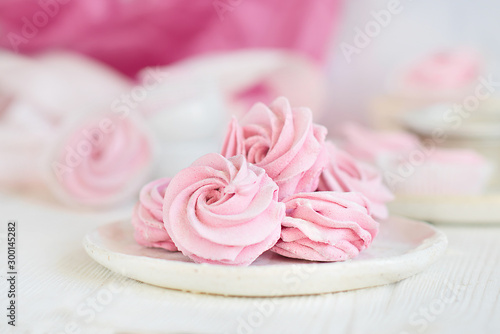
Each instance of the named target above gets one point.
<point>147,218</point>
<point>223,211</point>
<point>326,226</point>
<point>446,70</point>
<point>369,145</point>
<point>345,174</point>
<point>102,160</point>
<point>283,141</point>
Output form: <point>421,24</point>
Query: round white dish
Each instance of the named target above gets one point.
<point>402,249</point>
<point>478,209</point>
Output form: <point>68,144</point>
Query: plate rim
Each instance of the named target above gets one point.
<point>400,207</point>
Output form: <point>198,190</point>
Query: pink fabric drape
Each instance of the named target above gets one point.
<point>130,35</point>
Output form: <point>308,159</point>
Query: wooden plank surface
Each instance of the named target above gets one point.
<point>62,290</point>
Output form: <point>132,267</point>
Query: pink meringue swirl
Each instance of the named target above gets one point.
<point>326,226</point>
<point>283,141</point>
<point>223,211</point>
<point>445,70</point>
<point>147,219</point>
<point>369,145</point>
<point>102,161</point>
<point>346,174</point>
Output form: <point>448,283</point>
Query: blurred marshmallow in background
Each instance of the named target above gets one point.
<point>443,76</point>
<point>60,130</point>
<point>412,167</point>
<point>245,77</point>
<point>416,64</point>
<point>100,160</point>
<point>54,81</point>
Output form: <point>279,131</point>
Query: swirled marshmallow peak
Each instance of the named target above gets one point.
<point>346,174</point>
<point>223,211</point>
<point>147,219</point>
<point>283,141</point>
<point>326,226</point>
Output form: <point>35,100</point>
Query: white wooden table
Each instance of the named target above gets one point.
<point>61,290</point>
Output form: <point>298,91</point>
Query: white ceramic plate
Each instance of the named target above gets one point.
<point>484,209</point>
<point>402,249</point>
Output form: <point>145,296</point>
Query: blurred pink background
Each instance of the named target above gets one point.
<point>130,35</point>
